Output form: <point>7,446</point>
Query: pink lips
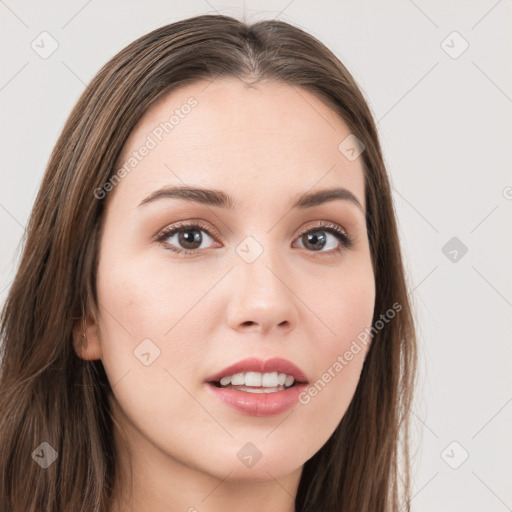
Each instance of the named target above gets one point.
<point>259,404</point>
<point>253,364</point>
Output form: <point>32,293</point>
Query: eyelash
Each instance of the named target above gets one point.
<point>329,227</point>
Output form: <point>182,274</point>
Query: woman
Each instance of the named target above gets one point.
<point>210,312</point>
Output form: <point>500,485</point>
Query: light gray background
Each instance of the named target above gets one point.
<point>446,129</point>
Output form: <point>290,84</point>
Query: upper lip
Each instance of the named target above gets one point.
<point>253,364</point>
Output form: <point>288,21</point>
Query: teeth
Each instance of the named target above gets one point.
<point>238,379</point>
<point>270,380</point>
<point>225,381</point>
<point>256,379</point>
<point>253,379</point>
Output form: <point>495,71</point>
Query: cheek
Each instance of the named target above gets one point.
<point>339,361</point>
<point>150,318</point>
<point>142,297</point>
<point>132,313</point>
<point>149,339</point>
<point>345,306</point>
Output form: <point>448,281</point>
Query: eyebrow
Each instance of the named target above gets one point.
<point>221,199</point>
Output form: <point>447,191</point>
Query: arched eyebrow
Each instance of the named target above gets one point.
<point>219,198</point>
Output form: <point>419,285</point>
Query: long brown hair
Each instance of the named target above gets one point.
<point>48,394</point>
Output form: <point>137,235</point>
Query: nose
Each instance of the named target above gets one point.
<point>262,300</point>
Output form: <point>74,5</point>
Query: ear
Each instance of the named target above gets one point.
<point>86,339</point>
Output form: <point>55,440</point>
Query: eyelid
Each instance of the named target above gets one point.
<point>322,224</point>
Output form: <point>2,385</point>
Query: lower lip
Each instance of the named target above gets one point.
<point>258,404</point>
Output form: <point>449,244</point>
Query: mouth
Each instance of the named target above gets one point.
<point>258,388</point>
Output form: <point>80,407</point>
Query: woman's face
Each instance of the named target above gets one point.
<point>262,279</point>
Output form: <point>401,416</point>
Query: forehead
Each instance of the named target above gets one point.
<point>243,139</point>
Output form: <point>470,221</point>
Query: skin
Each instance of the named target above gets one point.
<point>183,442</point>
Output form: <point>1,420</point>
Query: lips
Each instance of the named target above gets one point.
<point>254,364</point>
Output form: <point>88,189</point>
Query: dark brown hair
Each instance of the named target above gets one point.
<point>47,393</point>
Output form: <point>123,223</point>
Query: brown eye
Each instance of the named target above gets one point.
<point>187,239</point>
<point>317,239</point>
